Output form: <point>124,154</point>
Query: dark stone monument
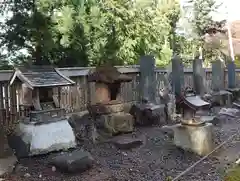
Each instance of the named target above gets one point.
<point>177,76</point>
<point>232,81</point>
<point>218,71</point>
<point>147,112</point>
<point>147,78</point>
<point>220,95</point>
<point>231,75</point>
<point>198,76</point>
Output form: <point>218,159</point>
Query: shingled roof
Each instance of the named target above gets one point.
<point>37,77</point>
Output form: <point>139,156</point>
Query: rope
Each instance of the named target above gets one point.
<point>203,158</point>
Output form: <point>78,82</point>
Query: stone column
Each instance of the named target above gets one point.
<point>177,75</point>
<point>147,78</point>
<point>217,75</point>
<point>231,75</point>
<point>198,76</point>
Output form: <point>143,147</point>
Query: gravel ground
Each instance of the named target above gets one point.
<point>156,160</point>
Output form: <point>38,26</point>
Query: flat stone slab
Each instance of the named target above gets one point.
<point>127,142</point>
<point>7,164</point>
<point>74,162</point>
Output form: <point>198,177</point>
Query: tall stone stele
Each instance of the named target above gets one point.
<point>148,111</point>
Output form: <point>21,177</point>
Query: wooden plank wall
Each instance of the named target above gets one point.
<point>76,98</point>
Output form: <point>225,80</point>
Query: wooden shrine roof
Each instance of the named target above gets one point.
<point>41,77</point>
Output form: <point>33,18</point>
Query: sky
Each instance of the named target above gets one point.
<point>230,6</point>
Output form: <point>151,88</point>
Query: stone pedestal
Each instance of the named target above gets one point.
<point>222,98</point>
<point>115,123</point>
<point>30,139</point>
<point>198,139</point>
<point>149,114</point>
<point>235,93</point>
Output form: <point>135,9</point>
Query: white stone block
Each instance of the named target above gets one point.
<point>43,138</point>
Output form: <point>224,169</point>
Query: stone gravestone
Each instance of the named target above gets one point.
<point>198,76</point>
<point>217,75</point>
<point>177,76</point>
<point>147,112</point>
<point>220,96</point>
<point>231,75</point>
<point>147,78</point>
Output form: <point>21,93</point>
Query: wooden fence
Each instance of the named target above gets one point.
<point>76,98</point>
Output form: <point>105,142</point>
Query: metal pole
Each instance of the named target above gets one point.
<point>230,38</point>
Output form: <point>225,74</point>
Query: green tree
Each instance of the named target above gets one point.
<point>90,32</point>
<point>203,21</point>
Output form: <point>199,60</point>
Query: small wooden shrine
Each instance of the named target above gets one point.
<point>107,105</point>
<point>36,98</point>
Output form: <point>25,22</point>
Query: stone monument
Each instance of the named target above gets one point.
<point>220,95</point>
<point>44,128</point>
<point>148,111</point>
<point>108,110</point>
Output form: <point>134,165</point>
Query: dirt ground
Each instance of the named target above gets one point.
<point>156,160</point>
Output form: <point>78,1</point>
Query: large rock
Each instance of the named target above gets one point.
<point>75,162</point>
<point>31,139</point>
<point>149,114</point>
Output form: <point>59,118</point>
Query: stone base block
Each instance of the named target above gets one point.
<point>149,114</point>
<point>198,139</point>
<point>222,98</point>
<point>235,93</point>
<point>115,123</point>
<point>29,139</point>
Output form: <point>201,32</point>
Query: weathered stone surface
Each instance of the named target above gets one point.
<point>149,114</point>
<point>115,123</point>
<point>127,142</point>
<point>74,162</point>
<point>30,139</point>
<point>99,109</point>
<point>198,139</point>
<point>7,164</point>
<point>171,107</point>
<point>222,98</point>
<point>83,127</point>
<point>235,93</point>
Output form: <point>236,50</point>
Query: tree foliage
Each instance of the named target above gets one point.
<point>89,32</point>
